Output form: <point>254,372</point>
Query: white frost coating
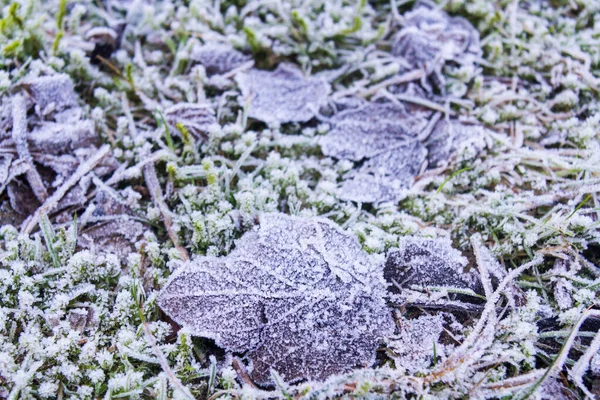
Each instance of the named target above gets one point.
<point>369,130</point>
<point>449,138</point>
<point>197,118</point>
<point>283,95</point>
<point>385,135</point>
<point>417,341</point>
<point>218,58</point>
<point>385,177</point>
<point>430,37</point>
<point>57,91</point>
<point>428,262</point>
<point>300,295</point>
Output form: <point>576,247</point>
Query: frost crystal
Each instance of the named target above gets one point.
<point>283,95</point>
<point>431,37</point>
<point>428,262</point>
<point>218,58</point>
<point>299,295</point>
<point>388,138</point>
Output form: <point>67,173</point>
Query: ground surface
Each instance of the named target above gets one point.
<point>462,154</point>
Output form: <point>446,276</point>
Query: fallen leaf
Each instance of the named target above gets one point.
<point>283,95</point>
<point>299,295</point>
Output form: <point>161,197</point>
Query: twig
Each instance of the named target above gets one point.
<point>241,372</point>
<point>157,197</point>
<point>165,364</point>
<point>413,75</point>
<point>19,135</point>
<point>51,203</point>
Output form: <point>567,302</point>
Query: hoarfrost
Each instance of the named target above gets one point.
<point>283,95</point>
<point>300,295</point>
<point>218,58</point>
<point>390,140</point>
<point>387,176</point>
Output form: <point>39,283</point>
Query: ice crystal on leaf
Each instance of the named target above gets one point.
<point>394,145</point>
<point>53,92</point>
<point>299,295</point>
<point>416,343</point>
<point>283,95</point>
<point>387,176</point>
<point>384,135</point>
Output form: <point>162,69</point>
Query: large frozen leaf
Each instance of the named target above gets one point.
<point>283,95</point>
<point>429,263</point>
<point>218,58</point>
<point>369,130</point>
<point>430,36</point>
<point>299,295</point>
<point>450,138</point>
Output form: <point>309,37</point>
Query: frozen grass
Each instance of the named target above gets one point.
<point>79,315</point>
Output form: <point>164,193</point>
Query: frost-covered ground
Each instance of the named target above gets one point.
<point>299,199</point>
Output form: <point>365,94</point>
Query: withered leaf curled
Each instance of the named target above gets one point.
<point>428,263</point>
<point>430,37</point>
<point>299,295</point>
<point>283,95</point>
<point>218,58</point>
<point>451,137</point>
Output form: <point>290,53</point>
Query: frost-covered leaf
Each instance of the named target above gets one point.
<point>430,36</point>
<point>300,295</point>
<point>283,95</point>
<point>51,93</point>
<point>385,135</point>
<point>197,118</point>
<point>218,58</point>
<point>450,138</point>
<point>387,176</point>
<point>369,130</point>
<point>428,262</point>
